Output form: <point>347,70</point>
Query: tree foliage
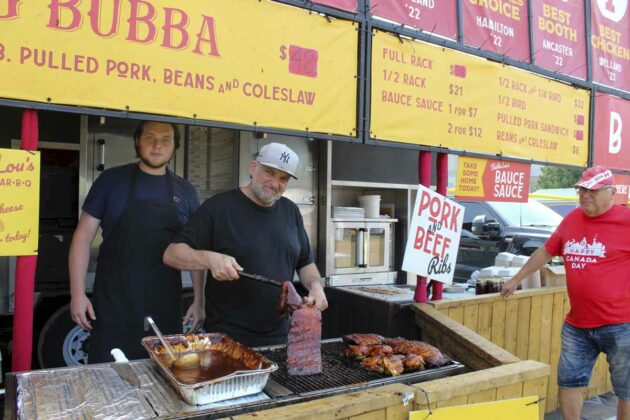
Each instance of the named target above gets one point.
<point>557,177</point>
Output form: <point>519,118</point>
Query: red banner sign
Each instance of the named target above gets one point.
<point>612,132</point>
<point>610,43</point>
<point>559,36</point>
<point>499,26</point>
<point>492,180</point>
<point>347,5</point>
<point>623,187</point>
<point>438,17</point>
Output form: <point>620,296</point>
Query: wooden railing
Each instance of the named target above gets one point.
<point>527,325</point>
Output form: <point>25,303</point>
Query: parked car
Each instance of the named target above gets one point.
<point>493,227</point>
<point>560,200</point>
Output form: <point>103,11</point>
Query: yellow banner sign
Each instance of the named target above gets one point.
<point>19,202</point>
<point>525,408</point>
<point>251,62</point>
<point>428,95</point>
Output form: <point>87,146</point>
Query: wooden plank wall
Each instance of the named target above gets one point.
<point>527,325</point>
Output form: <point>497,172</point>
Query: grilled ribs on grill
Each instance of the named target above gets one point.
<point>304,355</point>
<point>363,339</point>
<point>289,300</point>
<point>392,355</point>
<point>431,355</point>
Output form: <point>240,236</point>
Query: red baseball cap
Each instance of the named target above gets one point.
<point>595,178</point>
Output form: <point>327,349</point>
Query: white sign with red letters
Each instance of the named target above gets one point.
<point>433,238</point>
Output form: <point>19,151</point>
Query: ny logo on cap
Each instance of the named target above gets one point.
<point>284,157</point>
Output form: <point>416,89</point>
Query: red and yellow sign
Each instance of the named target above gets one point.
<point>428,95</point>
<point>559,36</point>
<point>525,408</point>
<point>610,43</point>
<point>492,180</point>
<point>240,61</point>
<point>19,202</point>
<point>622,184</point>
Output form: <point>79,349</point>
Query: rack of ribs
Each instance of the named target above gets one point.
<point>304,355</point>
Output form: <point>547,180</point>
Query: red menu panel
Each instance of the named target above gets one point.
<point>559,36</point>
<point>611,146</point>
<point>438,17</point>
<point>610,43</point>
<point>497,25</point>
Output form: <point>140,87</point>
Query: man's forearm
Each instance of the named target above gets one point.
<point>199,283</point>
<point>183,257</point>
<point>309,276</point>
<point>78,260</point>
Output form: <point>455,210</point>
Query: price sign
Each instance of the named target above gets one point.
<point>302,61</point>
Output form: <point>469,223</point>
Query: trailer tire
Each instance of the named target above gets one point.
<point>62,342</point>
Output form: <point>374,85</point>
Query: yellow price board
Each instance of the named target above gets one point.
<point>253,62</point>
<point>19,202</point>
<point>524,408</point>
<point>428,95</point>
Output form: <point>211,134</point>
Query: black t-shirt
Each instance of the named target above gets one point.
<point>270,241</point>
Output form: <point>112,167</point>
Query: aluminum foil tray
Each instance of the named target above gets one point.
<point>237,384</point>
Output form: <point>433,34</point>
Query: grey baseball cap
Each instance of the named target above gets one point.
<point>279,156</point>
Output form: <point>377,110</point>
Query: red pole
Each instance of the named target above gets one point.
<point>442,188</point>
<point>25,273</point>
<point>424,177</point>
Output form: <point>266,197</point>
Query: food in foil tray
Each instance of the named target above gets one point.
<point>224,368</point>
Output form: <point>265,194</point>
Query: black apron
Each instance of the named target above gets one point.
<point>131,280</point>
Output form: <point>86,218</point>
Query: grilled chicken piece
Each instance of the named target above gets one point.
<point>430,355</point>
<point>365,339</point>
<point>413,362</point>
<point>374,363</point>
<point>356,352</point>
<point>393,364</point>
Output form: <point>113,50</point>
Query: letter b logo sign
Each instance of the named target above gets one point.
<point>614,138</point>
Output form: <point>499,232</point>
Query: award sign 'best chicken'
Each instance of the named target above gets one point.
<point>433,237</point>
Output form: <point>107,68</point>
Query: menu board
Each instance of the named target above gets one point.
<point>428,95</point>
<point>610,43</point>
<point>497,25</point>
<point>559,36</point>
<point>435,17</point>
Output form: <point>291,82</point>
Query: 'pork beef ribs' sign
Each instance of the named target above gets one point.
<point>492,180</point>
<point>433,238</point>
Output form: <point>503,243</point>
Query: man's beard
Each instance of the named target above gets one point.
<point>153,165</point>
<point>262,195</point>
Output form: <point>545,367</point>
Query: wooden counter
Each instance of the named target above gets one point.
<point>527,325</point>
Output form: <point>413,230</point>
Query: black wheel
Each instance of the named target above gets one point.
<point>62,342</point>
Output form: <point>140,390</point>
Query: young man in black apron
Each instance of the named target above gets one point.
<point>265,233</point>
<point>140,207</point>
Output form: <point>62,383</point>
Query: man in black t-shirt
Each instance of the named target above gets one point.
<point>252,229</point>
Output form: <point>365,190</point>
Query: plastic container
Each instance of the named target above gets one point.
<point>485,276</point>
<point>533,280</point>
<point>371,204</point>
<point>503,259</point>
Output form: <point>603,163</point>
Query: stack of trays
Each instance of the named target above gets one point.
<point>348,212</point>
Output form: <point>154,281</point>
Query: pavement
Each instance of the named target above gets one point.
<point>602,407</point>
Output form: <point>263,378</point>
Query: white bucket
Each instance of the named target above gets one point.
<point>371,204</point>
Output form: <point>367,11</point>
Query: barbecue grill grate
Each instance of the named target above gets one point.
<point>338,371</point>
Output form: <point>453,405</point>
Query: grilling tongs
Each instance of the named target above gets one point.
<point>289,298</point>
<point>260,278</point>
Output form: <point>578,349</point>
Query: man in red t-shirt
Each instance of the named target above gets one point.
<point>595,243</point>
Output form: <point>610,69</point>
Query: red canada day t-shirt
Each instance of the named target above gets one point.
<point>596,253</point>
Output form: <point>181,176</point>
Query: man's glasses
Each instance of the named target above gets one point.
<point>582,190</point>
